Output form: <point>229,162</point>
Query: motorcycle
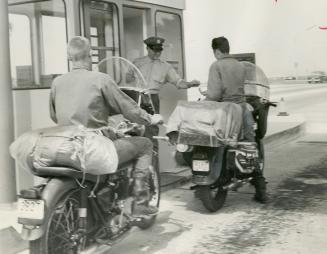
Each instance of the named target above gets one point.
<point>72,212</point>
<point>218,168</point>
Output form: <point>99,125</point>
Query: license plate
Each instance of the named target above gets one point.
<point>30,208</point>
<point>201,165</point>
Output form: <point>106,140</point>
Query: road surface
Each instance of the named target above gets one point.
<point>309,100</point>
<point>294,222</point>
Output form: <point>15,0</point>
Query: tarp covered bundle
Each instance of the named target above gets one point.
<point>207,123</point>
<point>67,146</point>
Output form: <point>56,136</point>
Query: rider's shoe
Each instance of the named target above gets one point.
<point>142,210</point>
<point>141,205</point>
<point>260,196</point>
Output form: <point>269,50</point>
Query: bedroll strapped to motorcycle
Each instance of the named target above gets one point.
<point>66,146</point>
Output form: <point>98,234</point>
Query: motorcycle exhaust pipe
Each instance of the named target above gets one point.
<point>237,184</point>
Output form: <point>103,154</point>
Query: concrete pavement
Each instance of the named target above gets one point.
<point>281,129</point>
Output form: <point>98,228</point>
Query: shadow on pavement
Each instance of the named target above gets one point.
<point>151,240</point>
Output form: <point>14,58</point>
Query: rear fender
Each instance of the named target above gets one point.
<point>51,194</point>
<point>216,166</point>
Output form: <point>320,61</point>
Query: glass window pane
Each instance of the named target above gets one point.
<point>41,25</point>
<point>103,30</point>
<point>169,27</point>
<point>20,53</point>
<point>54,45</point>
<point>135,31</point>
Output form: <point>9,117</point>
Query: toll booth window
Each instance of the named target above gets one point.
<point>101,19</point>
<point>37,43</point>
<point>136,27</point>
<point>169,27</point>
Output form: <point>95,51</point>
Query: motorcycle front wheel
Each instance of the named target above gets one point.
<point>61,230</point>
<point>212,198</point>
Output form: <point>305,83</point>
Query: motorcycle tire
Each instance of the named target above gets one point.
<point>61,225</point>
<point>212,199</point>
<point>155,201</point>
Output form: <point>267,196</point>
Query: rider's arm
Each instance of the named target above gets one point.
<point>215,86</point>
<point>182,84</point>
<point>173,77</point>
<point>120,103</point>
<point>52,104</point>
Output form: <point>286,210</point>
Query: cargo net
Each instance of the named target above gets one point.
<point>206,123</point>
<point>256,82</point>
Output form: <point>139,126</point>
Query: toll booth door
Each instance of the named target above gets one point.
<point>102,28</point>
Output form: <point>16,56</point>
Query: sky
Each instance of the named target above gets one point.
<point>287,36</point>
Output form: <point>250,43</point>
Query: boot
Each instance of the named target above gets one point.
<point>141,192</point>
<point>259,183</point>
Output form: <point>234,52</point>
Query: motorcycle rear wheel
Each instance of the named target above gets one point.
<point>212,199</point>
<point>61,229</point>
<point>155,200</point>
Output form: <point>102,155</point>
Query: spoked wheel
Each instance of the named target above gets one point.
<point>155,198</point>
<point>61,230</point>
<point>212,198</point>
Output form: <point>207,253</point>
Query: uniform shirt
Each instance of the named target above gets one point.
<point>156,73</point>
<point>87,98</point>
<point>226,80</point>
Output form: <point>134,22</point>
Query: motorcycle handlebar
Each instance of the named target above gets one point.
<point>272,104</point>
<point>164,138</point>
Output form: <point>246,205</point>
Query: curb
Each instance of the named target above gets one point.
<point>285,136</point>
<point>172,180</point>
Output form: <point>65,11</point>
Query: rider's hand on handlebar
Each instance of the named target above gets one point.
<point>193,83</point>
<point>203,91</point>
<point>156,119</point>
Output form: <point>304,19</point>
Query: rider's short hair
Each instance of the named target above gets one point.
<point>78,48</point>
<point>220,43</point>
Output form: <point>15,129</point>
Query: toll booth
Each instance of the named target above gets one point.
<point>40,29</point>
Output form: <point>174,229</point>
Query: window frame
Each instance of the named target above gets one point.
<point>40,41</point>
<point>86,26</point>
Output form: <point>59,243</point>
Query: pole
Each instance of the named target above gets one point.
<point>7,169</point>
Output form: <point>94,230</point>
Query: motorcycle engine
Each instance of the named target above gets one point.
<point>106,197</point>
<point>246,158</point>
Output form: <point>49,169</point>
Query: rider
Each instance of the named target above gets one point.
<point>88,98</point>
<point>226,83</point>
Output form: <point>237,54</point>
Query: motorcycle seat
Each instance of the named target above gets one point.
<point>60,171</point>
<point>66,172</point>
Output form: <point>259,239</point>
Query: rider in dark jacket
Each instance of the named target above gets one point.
<point>226,83</point>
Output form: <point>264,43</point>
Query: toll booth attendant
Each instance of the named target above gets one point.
<point>157,73</point>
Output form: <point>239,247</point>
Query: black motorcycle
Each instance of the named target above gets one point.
<point>72,211</point>
<point>218,168</point>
